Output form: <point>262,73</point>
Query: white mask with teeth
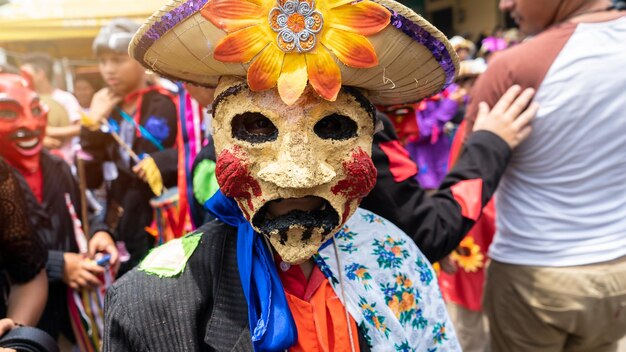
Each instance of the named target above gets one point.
<point>297,172</point>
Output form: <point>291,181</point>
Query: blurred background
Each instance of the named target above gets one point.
<point>65,29</point>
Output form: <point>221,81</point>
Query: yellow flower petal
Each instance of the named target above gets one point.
<point>242,45</point>
<point>365,18</point>
<point>232,15</point>
<point>352,49</point>
<point>336,3</point>
<point>324,74</point>
<point>293,78</point>
<point>265,70</point>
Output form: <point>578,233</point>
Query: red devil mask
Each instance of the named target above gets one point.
<point>22,123</point>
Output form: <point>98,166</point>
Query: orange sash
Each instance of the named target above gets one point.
<point>321,322</point>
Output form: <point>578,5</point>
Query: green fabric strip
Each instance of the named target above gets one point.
<point>204,181</point>
<point>170,259</point>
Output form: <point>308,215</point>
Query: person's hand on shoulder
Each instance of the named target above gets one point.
<point>511,116</point>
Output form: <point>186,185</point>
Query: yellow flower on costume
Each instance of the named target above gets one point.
<point>289,42</point>
<point>468,255</point>
<point>394,305</point>
<point>404,281</point>
<point>408,302</point>
<point>360,273</point>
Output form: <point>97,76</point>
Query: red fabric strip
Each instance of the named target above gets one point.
<point>468,194</point>
<point>400,164</point>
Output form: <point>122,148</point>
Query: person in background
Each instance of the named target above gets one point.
<point>512,37</point>
<point>84,90</point>
<point>469,71</point>
<point>463,47</point>
<point>145,120</point>
<point>557,277</point>
<point>430,151</point>
<point>49,190</point>
<point>65,111</point>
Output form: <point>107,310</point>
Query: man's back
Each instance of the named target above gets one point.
<point>562,200</point>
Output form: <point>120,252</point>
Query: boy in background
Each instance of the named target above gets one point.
<point>145,119</point>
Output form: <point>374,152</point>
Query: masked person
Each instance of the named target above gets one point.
<point>49,188</point>
<point>145,119</point>
<point>292,263</point>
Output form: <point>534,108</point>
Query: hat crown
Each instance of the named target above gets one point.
<point>379,46</point>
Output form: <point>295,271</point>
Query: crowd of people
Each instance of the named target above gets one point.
<point>262,188</point>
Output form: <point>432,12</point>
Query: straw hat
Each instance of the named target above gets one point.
<point>380,46</point>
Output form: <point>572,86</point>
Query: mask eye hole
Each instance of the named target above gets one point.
<point>335,126</point>
<point>8,114</point>
<point>253,127</point>
<point>36,111</point>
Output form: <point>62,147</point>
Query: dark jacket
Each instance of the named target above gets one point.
<point>54,226</point>
<point>204,309</point>
<point>435,223</point>
<point>128,192</point>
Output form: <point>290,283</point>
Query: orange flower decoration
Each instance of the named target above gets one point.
<point>290,41</point>
<point>468,255</point>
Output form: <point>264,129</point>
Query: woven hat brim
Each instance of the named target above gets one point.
<point>415,59</point>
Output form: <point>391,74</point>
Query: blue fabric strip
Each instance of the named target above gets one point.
<point>271,324</point>
<point>144,132</point>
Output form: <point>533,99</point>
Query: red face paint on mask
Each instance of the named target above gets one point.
<point>359,181</point>
<point>234,178</point>
<point>22,124</point>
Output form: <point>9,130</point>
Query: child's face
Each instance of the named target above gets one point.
<point>84,91</point>
<point>122,74</point>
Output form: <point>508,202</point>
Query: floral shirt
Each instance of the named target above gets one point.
<point>389,285</point>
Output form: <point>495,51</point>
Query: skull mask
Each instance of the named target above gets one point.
<point>297,172</point>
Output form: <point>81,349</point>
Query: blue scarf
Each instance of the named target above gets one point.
<point>271,324</point>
